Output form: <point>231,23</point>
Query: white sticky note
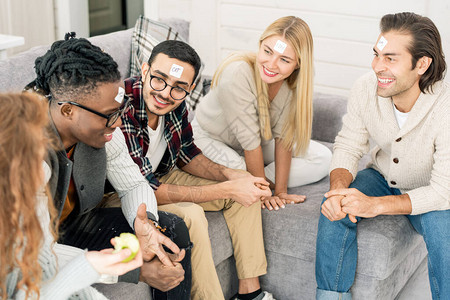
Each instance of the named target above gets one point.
<point>382,43</point>
<point>280,47</point>
<point>176,70</point>
<point>120,94</point>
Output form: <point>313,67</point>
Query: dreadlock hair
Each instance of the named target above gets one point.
<point>73,67</point>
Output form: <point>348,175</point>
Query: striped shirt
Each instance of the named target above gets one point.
<point>124,175</point>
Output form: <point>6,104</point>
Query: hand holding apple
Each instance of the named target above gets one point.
<point>109,262</point>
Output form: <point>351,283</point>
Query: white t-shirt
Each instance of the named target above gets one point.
<point>400,116</point>
<point>157,144</point>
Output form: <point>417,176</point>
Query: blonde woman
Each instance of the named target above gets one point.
<point>29,268</point>
<point>258,114</point>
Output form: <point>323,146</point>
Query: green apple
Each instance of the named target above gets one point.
<point>127,240</point>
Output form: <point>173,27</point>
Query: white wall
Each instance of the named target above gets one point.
<point>20,17</point>
<point>344,31</point>
<point>71,16</point>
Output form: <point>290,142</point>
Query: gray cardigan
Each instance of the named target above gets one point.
<point>89,173</point>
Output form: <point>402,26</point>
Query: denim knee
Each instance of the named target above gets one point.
<point>175,228</point>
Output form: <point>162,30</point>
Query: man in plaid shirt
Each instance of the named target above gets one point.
<point>159,138</point>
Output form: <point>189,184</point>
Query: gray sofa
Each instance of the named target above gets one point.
<point>390,251</point>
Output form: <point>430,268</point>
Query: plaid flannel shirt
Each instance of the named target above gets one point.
<point>177,133</point>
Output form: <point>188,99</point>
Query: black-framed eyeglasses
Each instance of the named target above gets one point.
<point>111,118</point>
<point>159,84</point>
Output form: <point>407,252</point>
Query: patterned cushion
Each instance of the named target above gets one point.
<point>147,34</point>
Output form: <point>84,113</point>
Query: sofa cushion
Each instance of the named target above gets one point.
<point>20,67</point>
<point>118,45</point>
<point>147,34</point>
<point>328,112</point>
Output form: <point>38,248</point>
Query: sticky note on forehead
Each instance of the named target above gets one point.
<point>120,94</point>
<point>176,70</point>
<point>280,47</point>
<point>382,43</point>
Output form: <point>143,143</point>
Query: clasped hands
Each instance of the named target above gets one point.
<point>351,202</point>
<point>263,193</point>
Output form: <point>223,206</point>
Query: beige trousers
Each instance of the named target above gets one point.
<point>244,225</point>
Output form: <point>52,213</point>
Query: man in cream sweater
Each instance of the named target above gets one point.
<point>404,108</point>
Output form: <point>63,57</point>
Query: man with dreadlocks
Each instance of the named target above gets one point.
<point>86,100</point>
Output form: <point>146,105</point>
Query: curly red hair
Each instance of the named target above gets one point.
<point>23,118</point>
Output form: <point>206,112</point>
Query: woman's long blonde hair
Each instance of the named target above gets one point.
<point>297,128</point>
<point>23,141</point>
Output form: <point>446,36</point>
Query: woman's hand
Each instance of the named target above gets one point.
<point>280,200</point>
<point>107,262</point>
<point>272,202</point>
<point>291,198</point>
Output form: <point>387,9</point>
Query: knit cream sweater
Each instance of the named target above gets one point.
<point>415,158</point>
<point>229,112</point>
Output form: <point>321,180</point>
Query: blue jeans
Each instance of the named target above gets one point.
<point>336,249</point>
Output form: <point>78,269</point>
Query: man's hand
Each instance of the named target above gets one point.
<point>248,190</point>
<point>356,203</point>
<point>162,277</point>
<point>280,200</point>
<point>151,240</point>
<point>331,208</point>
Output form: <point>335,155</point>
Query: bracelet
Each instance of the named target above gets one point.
<point>157,226</point>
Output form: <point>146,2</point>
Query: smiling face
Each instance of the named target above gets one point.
<point>397,77</point>
<point>159,103</point>
<point>88,127</point>
<point>276,59</point>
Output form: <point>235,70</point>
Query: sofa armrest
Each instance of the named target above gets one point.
<point>327,119</point>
